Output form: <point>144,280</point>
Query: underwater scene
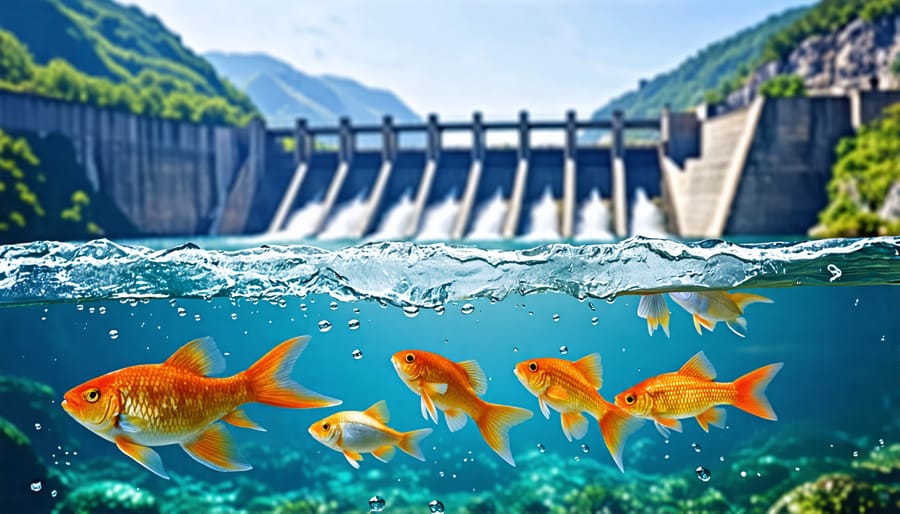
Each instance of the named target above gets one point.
<point>641,376</point>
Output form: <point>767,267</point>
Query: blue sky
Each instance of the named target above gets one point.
<point>456,56</point>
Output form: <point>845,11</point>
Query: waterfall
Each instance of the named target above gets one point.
<point>488,224</point>
<point>544,219</point>
<point>302,222</point>
<point>646,218</point>
<point>439,219</point>
<point>396,218</point>
<point>344,224</point>
<point>593,220</point>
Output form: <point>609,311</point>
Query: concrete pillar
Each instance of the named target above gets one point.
<point>477,136</point>
<point>620,195</point>
<point>524,136</point>
<point>433,133</point>
<point>568,205</point>
<point>468,199</point>
<point>618,134</point>
<point>389,139</point>
<point>346,140</point>
<point>302,146</point>
<point>511,223</point>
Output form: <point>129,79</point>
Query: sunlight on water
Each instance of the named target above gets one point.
<point>646,218</point>
<point>439,219</point>
<point>488,224</point>
<point>346,220</point>
<point>302,222</point>
<point>396,219</point>
<point>544,219</point>
<point>593,220</point>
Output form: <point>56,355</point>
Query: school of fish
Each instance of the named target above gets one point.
<point>177,402</point>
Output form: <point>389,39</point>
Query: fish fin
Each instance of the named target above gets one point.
<point>428,408</point>
<point>663,431</point>
<point>738,326</point>
<point>742,300</point>
<point>672,423</point>
<point>239,418</point>
<point>494,424</point>
<point>409,442</point>
<point>574,425</point>
<point>200,356</point>
<point>131,424</point>
<point>214,448</point>
<point>713,416</point>
<point>700,321</point>
<point>435,387</point>
<point>142,455</point>
<point>379,412</point>
<point>384,454</point>
<point>545,410</point>
<point>475,375</point>
<point>751,391</point>
<point>456,419</point>
<point>591,369</point>
<point>698,367</point>
<point>615,426</point>
<point>353,458</point>
<point>654,309</point>
<point>271,383</point>
<point>557,393</point>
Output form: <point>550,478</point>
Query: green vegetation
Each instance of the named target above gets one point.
<point>33,207</point>
<point>783,86</point>
<point>683,87</point>
<point>101,53</point>
<point>868,167</point>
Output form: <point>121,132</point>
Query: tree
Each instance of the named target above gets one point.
<point>783,86</point>
<point>16,63</point>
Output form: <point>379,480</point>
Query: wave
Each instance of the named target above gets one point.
<point>429,275</point>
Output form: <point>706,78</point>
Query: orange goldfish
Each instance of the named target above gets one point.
<point>571,388</point>
<point>691,392</point>
<point>177,403</point>
<point>454,387</point>
<point>355,432</point>
<point>710,307</point>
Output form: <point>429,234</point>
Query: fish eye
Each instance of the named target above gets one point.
<point>92,395</point>
<point>533,366</point>
<point>629,399</point>
<point>410,357</point>
<point>325,427</point>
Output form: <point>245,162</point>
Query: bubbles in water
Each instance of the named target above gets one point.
<point>37,426</point>
<point>333,306</point>
<point>743,474</point>
<point>880,442</point>
<point>856,302</point>
<point>53,493</point>
<point>303,307</point>
<point>541,448</point>
<point>233,315</point>
<point>196,317</point>
<point>357,354</point>
<point>515,348</point>
<point>36,486</point>
<point>703,474</point>
<point>563,350</point>
<point>666,456</point>
<point>356,310</point>
<point>835,272</point>
<point>441,474</point>
<point>467,309</point>
<point>439,310</point>
<point>721,458</point>
<point>855,454</point>
<point>696,447</point>
<point>102,310</point>
<point>113,334</point>
<point>79,307</point>
<point>353,324</point>
<point>324,325</point>
<point>410,311</point>
<point>882,338</point>
<point>585,448</point>
<point>182,312</point>
<point>594,321</point>
<point>555,318</point>
<point>577,458</point>
<point>591,305</point>
<point>436,506</point>
<point>376,503</point>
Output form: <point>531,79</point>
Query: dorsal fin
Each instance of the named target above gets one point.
<point>699,367</point>
<point>475,375</point>
<point>590,369</point>
<point>379,412</point>
<point>200,356</point>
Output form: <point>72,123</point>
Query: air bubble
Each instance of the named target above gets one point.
<point>357,354</point>
<point>591,305</point>
<point>353,324</point>
<point>595,321</point>
<point>182,312</point>
<point>880,442</point>
<point>515,348</point>
<point>666,456</point>
<point>835,272</point>
<point>113,334</point>
<point>855,454</point>
<point>721,458</point>
<point>743,474</point>
<point>79,307</point>
<point>333,306</point>
<point>439,310</point>
<point>555,318</point>
<point>410,311</point>
<point>541,448</point>
<point>37,486</point>
<point>585,448</point>
<point>233,316</point>
<point>196,317</point>
<point>467,308</point>
<point>577,458</point>
<point>37,426</point>
<point>563,350</point>
<point>376,504</point>
<point>324,325</point>
<point>101,310</point>
<point>696,447</point>
<point>703,474</point>
<point>436,506</point>
<point>53,493</point>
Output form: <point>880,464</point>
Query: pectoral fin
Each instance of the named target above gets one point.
<point>353,458</point>
<point>142,455</point>
<point>556,393</point>
<point>574,425</point>
<point>712,416</point>
<point>428,408</point>
<point>213,448</point>
<point>131,424</point>
<point>703,322</point>
<point>239,418</point>
<point>663,424</point>
<point>544,409</point>
<point>384,454</point>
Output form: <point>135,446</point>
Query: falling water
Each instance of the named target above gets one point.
<point>303,221</point>
<point>488,224</point>
<point>439,220</point>
<point>593,220</point>
<point>396,219</point>
<point>646,218</point>
<point>346,222</point>
<point>544,219</point>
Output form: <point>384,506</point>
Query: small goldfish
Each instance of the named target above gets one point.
<point>691,392</point>
<point>654,309</point>
<point>454,387</point>
<point>570,388</point>
<point>710,307</point>
<point>355,432</point>
<point>177,403</point>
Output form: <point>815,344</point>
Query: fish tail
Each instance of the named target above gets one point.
<point>654,309</point>
<point>742,300</point>
<point>494,424</point>
<point>410,442</point>
<point>270,379</point>
<point>616,425</point>
<point>751,391</point>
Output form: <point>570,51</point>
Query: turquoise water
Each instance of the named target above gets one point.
<point>74,312</point>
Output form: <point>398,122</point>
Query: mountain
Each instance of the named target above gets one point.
<point>284,93</point>
<point>684,87</point>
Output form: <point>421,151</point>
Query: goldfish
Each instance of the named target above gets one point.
<point>691,392</point>
<point>454,387</point>
<point>710,307</point>
<point>570,388</point>
<point>176,402</point>
<point>355,432</point>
